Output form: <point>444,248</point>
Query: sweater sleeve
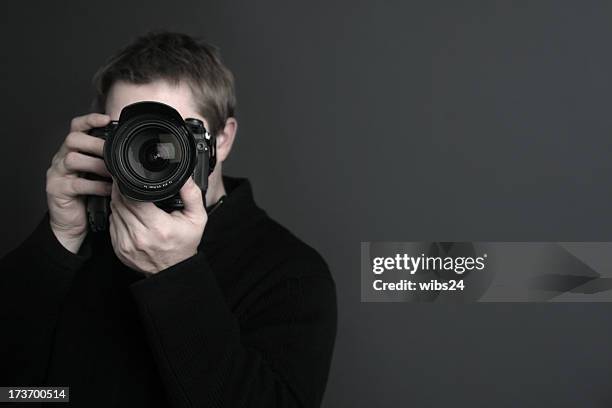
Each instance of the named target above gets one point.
<point>279,357</point>
<point>34,279</point>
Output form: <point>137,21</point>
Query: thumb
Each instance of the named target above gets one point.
<point>191,195</point>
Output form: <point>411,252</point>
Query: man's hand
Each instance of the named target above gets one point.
<point>66,188</point>
<point>148,239</point>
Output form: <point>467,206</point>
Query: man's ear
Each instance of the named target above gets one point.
<point>225,139</point>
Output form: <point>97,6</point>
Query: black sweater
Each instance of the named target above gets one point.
<point>249,321</point>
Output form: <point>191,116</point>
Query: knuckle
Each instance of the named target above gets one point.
<point>139,242</point>
<point>51,184</point>
<point>77,185</point>
<point>55,159</point>
<point>70,160</point>
<point>50,187</point>
<point>124,247</point>
<point>164,233</point>
<point>72,140</point>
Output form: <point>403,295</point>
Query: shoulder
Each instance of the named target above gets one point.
<point>288,252</point>
<point>295,277</point>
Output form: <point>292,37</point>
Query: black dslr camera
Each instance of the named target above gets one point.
<point>151,152</point>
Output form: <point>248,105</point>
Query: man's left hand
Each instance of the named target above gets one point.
<point>148,239</point>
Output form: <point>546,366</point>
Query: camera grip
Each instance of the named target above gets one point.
<point>98,211</point>
<point>98,208</point>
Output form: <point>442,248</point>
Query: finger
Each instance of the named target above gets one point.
<point>128,217</point>
<point>191,195</point>
<point>81,142</point>
<point>86,122</point>
<point>82,186</point>
<point>77,162</point>
<point>147,213</point>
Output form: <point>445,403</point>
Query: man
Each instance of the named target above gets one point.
<point>215,305</point>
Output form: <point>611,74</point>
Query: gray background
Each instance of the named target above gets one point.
<point>399,121</point>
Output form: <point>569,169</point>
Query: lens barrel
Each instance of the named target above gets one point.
<point>152,152</point>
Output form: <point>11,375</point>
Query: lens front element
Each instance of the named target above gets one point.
<point>153,154</point>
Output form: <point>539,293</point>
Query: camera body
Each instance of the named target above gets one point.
<point>151,152</point>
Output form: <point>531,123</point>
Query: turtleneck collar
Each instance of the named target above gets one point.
<point>238,211</point>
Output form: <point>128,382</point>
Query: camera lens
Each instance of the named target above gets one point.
<point>153,154</point>
<point>156,156</point>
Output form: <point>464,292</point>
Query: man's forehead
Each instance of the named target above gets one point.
<point>179,96</point>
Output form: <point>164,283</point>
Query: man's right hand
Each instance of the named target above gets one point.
<point>67,188</point>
